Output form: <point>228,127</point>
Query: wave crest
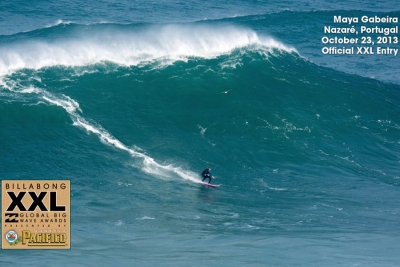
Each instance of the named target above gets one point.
<point>130,46</point>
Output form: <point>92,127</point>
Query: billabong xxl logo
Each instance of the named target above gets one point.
<point>36,214</point>
<point>37,201</point>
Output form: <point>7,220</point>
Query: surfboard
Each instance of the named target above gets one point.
<point>213,185</point>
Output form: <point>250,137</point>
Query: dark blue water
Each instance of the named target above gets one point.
<point>131,101</point>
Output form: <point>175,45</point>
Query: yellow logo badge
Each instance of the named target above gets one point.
<point>36,214</point>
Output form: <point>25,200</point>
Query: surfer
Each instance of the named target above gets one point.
<point>207,175</point>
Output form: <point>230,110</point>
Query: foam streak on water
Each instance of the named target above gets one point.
<point>149,164</point>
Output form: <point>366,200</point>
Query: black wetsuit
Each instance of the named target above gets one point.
<point>207,175</point>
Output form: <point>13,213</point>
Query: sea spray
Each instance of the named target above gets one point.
<point>131,46</point>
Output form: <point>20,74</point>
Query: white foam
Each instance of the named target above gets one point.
<point>145,218</point>
<point>30,90</point>
<point>3,83</point>
<point>67,103</point>
<point>119,223</point>
<point>58,22</point>
<point>165,44</point>
<point>202,130</point>
<point>149,165</point>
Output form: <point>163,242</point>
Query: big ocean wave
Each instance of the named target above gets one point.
<point>265,104</point>
<point>25,57</point>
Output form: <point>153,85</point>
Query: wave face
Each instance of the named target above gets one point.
<point>133,113</point>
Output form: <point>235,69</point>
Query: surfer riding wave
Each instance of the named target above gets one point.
<point>207,175</point>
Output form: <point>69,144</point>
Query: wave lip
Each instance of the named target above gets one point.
<point>131,47</point>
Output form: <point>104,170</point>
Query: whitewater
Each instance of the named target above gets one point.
<point>129,46</point>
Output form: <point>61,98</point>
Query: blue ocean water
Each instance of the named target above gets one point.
<point>132,100</point>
